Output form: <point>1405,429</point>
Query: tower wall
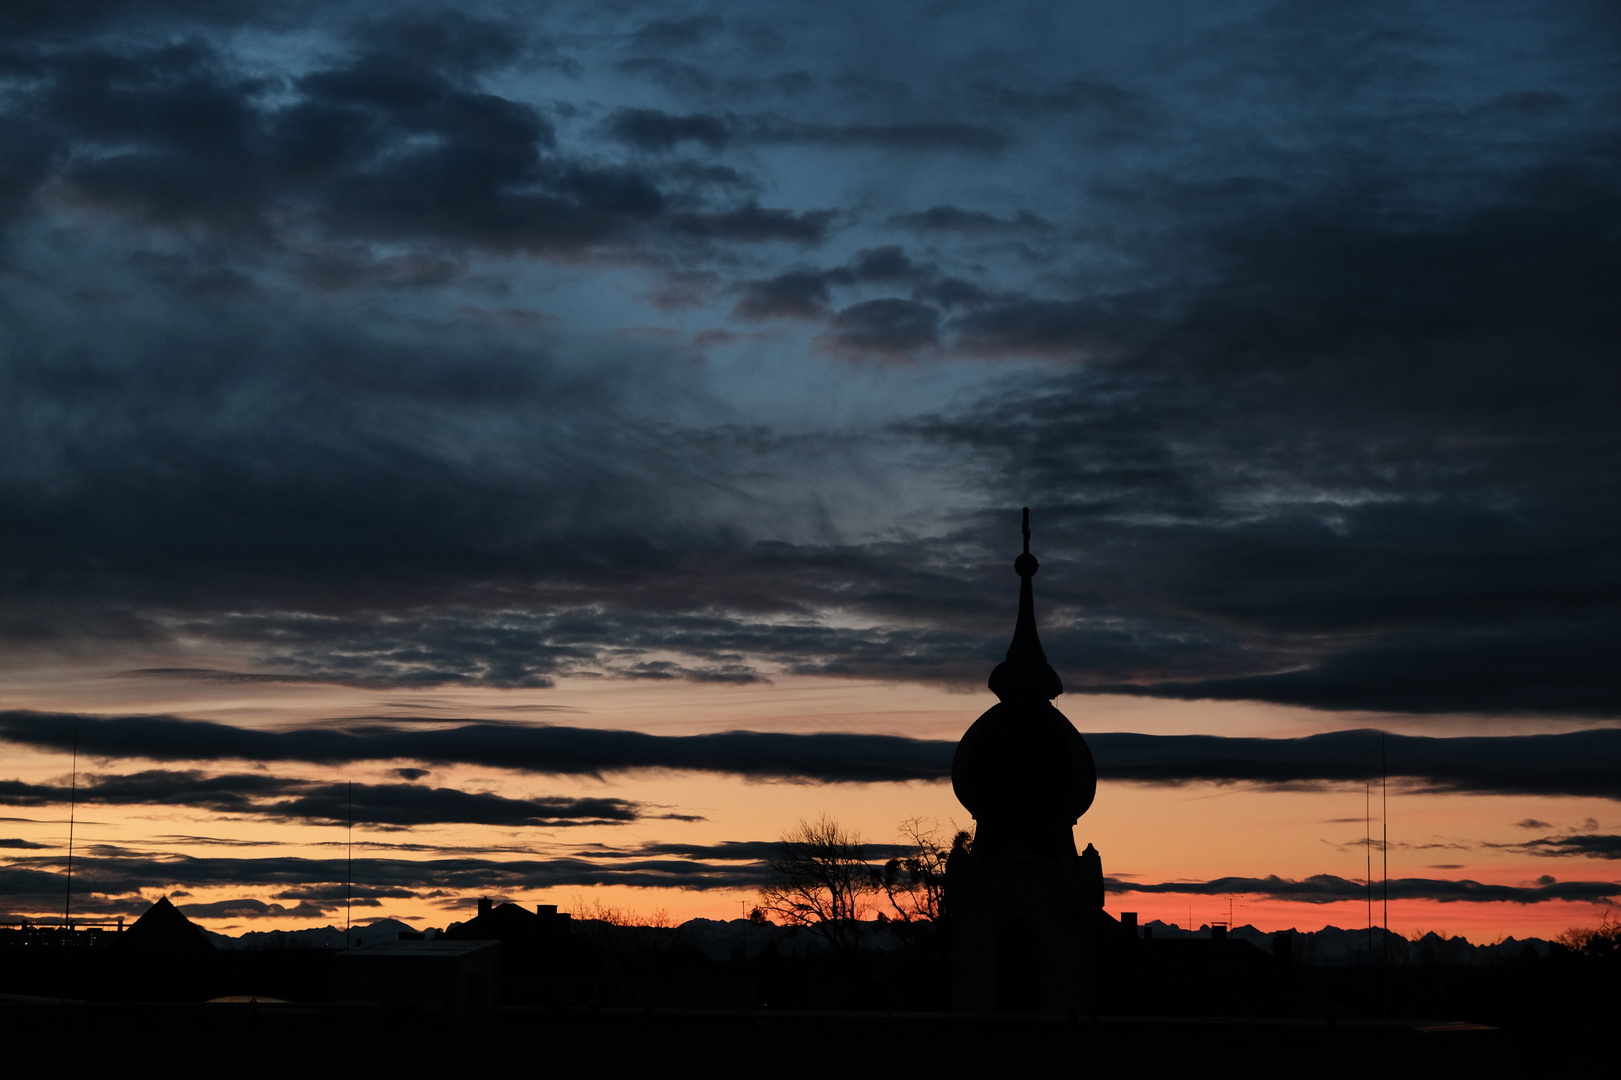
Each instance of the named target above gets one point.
<point>1021,941</point>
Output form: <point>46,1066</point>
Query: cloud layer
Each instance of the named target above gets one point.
<point>451,347</point>
<point>1578,764</point>
<point>111,881</point>
<point>388,806</point>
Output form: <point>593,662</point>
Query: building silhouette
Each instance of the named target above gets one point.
<point>428,976</point>
<point>162,930</point>
<point>1025,907</point>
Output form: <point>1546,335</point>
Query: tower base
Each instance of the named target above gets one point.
<point>1023,938</point>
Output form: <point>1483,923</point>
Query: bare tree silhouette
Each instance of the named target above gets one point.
<point>821,880</point>
<point>915,883</point>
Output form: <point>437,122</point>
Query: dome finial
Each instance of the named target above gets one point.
<point>1025,672</point>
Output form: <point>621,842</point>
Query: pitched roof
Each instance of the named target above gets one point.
<point>162,927</point>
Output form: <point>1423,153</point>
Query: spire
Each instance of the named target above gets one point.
<point>1025,673</point>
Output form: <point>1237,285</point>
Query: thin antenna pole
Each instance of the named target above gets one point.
<point>1026,529</point>
<point>1367,848</point>
<point>349,877</point>
<point>73,807</point>
<point>1384,847</point>
<point>67,901</point>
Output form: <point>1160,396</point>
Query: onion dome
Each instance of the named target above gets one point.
<point>1022,769</point>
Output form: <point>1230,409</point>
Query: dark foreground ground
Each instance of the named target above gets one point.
<point>43,1038</point>
<point>105,1005</point>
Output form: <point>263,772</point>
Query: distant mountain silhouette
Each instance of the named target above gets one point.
<point>1331,946</point>
<point>323,937</point>
<point>721,939</point>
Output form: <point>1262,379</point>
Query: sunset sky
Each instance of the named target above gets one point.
<point>592,437</point>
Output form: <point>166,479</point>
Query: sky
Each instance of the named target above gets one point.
<point>575,443</point>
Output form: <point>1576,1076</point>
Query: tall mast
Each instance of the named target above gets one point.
<point>349,873</point>
<point>73,807</point>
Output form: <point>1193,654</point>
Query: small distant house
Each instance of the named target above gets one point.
<point>429,976</point>
<point>528,938</point>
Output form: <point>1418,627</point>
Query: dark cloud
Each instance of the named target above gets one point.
<point>1106,100</point>
<point>1571,764</point>
<point>258,909</point>
<point>13,842</point>
<point>798,294</point>
<point>26,153</point>
<point>332,894</point>
<point>1062,329</point>
<point>112,882</point>
<point>889,327</point>
<point>672,75</point>
<point>675,33</point>
<point>1585,845</point>
<point>737,674</point>
<point>389,806</point>
<point>26,19</point>
<point>913,136</point>
<point>754,223</point>
<point>807,294</point>
<point>653,129</point>
<point>557,750</point>
<point>1503,670</point>
<point>1450,554</point>
<point>454,40</point>
<point>1320,420</point>
<point>394,142</point>
<point>659,131</point>
<point>726,851</point>
<point>970,222</point>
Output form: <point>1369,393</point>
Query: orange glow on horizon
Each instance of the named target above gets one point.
<point>1189,833</point>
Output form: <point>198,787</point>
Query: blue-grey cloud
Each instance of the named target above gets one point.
<point>343,340</point>
<point>394,141</point>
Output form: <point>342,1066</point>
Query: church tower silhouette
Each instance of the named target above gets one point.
<point>1023,906</point>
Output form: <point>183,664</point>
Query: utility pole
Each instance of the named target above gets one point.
<point>73,807</point>
<point>67,901</point>
<point>349,876</point>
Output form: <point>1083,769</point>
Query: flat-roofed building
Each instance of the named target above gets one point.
<point>430,976</point>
